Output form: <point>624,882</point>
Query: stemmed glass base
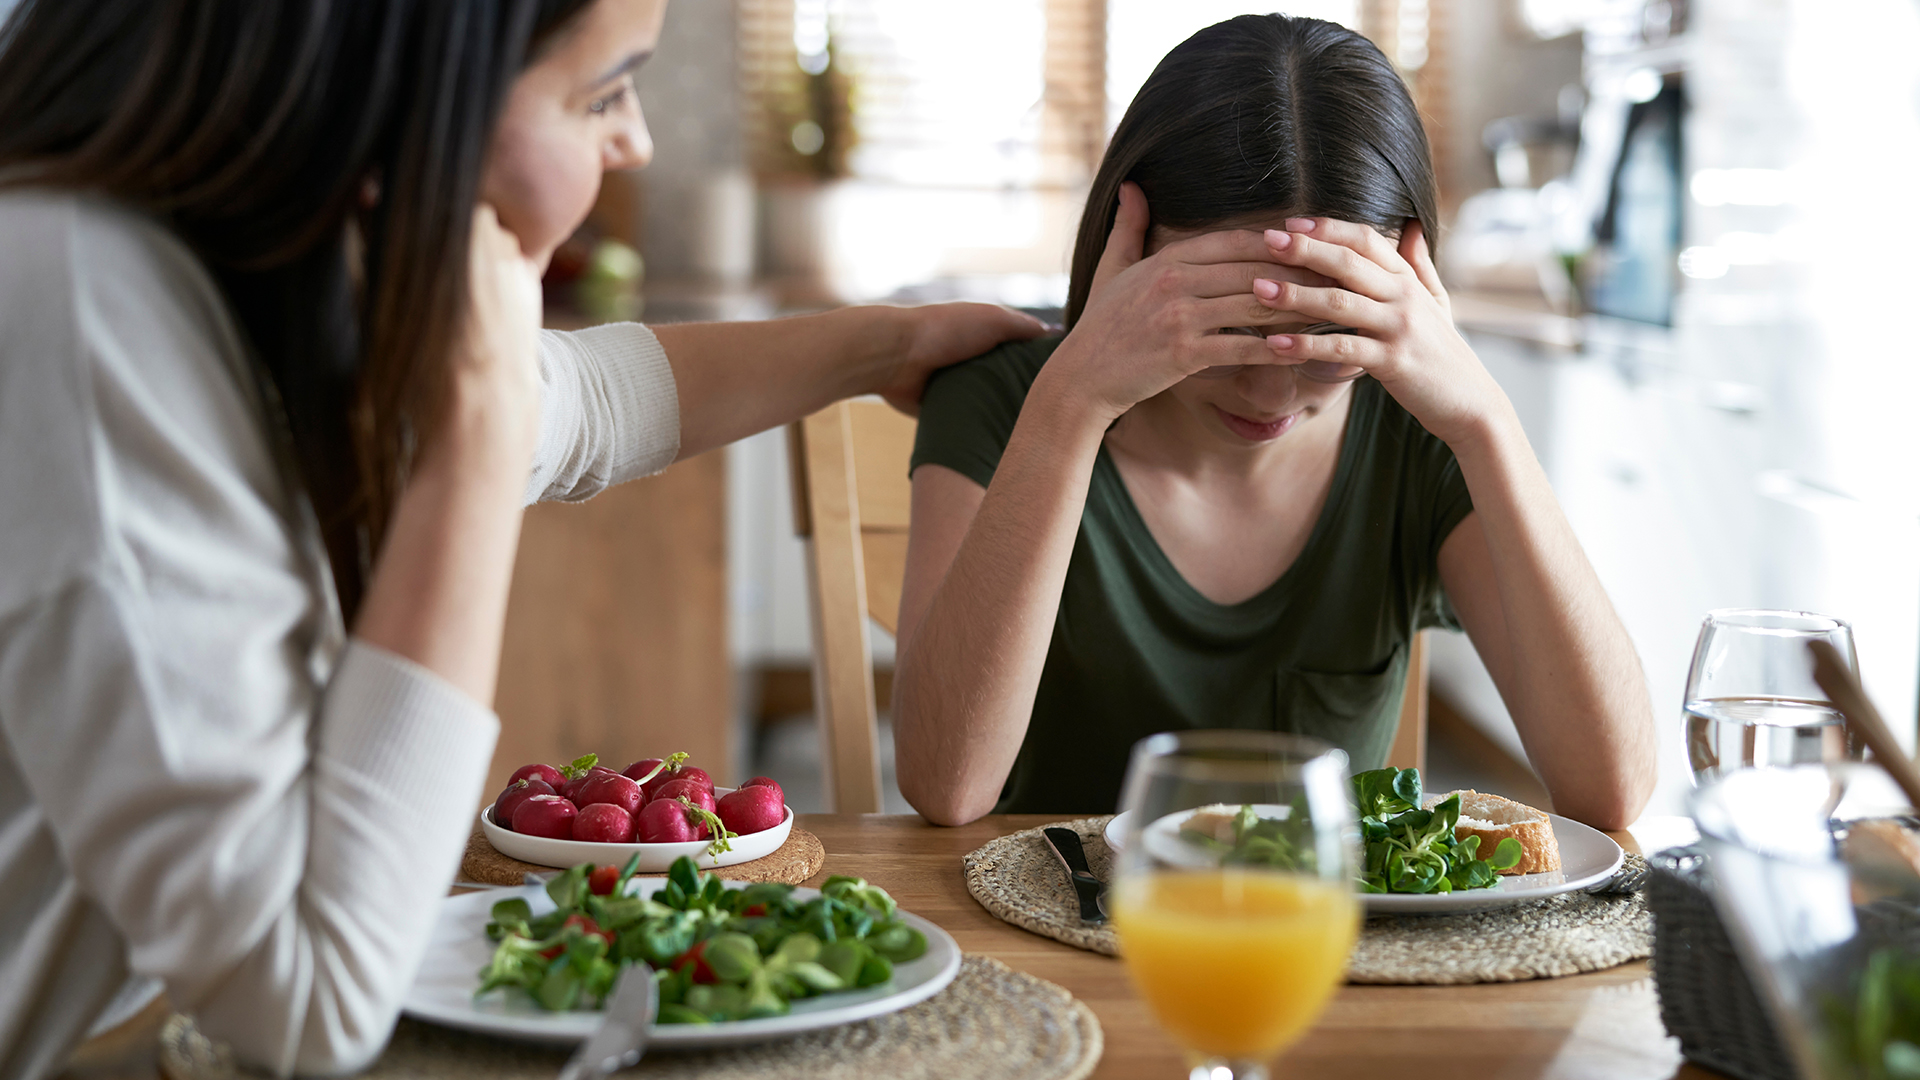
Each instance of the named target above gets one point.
<point>1214,1068</point>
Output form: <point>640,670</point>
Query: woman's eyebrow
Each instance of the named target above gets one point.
<point>623,67</point>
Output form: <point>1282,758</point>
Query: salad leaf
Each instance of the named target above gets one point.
<point>719,954</point>
<point>1408,849</point>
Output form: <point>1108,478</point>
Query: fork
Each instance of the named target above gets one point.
<point>622,1035</point>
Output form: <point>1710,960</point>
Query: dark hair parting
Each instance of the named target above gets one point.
<point>1257,116</point>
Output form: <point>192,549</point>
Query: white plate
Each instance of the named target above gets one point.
<point>443,992</point>
<point>654,858</point>
<point>1587,858</point>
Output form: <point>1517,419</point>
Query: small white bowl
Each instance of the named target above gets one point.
<point>654,858</point>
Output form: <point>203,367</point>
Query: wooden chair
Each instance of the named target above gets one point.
<point>850,500</point>
<point>1409,749</point>
<point>851,497</point>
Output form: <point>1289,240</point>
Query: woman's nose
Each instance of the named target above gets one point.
<point>1269,388</point>
<point>631,147</point>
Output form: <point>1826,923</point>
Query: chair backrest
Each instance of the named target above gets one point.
<point>851,497</point>
<point>1409,749</point>
<point>850,500</point>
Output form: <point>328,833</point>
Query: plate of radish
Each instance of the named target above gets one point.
<point>657,808</point>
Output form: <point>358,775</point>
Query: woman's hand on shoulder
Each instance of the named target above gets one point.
<point>1392,295</point>
<point>1152,320</point>
<point>941,334</point>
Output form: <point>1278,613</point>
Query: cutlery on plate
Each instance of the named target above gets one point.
<point>622,1036</point>
<point>1066,847</point>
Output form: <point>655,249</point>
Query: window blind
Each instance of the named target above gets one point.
<point>995,93</point>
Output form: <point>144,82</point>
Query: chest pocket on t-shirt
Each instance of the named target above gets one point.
<point>1354,710</point>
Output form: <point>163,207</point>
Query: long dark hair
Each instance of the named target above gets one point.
<point>323,158</point>
<point>1264,114</point>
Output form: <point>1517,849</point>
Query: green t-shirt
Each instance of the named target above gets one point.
<point>1136,650</point>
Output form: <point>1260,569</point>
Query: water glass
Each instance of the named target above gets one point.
<point>1751,700</point>
<point>1831,944</point>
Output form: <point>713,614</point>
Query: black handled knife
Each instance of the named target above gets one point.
<point>1066,846</point>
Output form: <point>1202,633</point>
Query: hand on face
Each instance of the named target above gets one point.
<point>496,367</point>
<point>1392,296</point>
<point>1151,320</point>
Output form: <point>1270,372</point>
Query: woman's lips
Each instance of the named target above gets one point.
<point>1254,430</point>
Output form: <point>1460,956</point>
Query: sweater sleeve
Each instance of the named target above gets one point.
<point>611,411</point>
<point>243,805</point>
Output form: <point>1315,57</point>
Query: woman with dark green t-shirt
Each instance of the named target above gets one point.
<point>1257,463</point>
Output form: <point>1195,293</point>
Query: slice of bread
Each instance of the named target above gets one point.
<point>1493,819</point>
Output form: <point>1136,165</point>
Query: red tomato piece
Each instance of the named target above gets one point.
<point>603,880</point>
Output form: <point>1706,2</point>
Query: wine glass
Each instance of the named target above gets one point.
<point>1751,700</point>
<point>1234,895</point>
<point>1828,934</point>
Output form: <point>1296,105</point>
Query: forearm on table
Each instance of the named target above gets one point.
<point>967,672</point>
<point>1566,666</point>
<point>729,389</point>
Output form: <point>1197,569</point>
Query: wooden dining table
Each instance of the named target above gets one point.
<point>1599,1026</point>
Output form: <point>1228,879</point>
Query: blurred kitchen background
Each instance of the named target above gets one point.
<point>1677,231</point>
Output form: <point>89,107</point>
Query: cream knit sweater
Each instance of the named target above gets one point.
<point>204,783</point>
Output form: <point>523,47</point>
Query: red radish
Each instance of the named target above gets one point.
<point>545,773</point>
<point>669,821</point>
<point>550,816</point>
<point>603,823</point>
<point>647,770</point>
<point>603,880</point>
<point>667,776</point>
<point>516,793</point>
<point>766,781</point>
<point>752,809</point>
<point>572,787</point>
<point>692,791</point>
<point>658,772</point>
<point>610,787</point>
<point>642,770</point>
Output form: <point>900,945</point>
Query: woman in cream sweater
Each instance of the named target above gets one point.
<point>273,392</point>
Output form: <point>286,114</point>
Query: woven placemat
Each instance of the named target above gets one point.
<point>1018,880</point>
<point>794,862</point>
<point>991,1022</point>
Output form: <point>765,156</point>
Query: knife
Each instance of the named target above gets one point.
<point>1066,847</point>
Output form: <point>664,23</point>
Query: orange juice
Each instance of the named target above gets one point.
<point>1235,963</point>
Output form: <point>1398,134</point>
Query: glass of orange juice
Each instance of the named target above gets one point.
<point>1233,895</point>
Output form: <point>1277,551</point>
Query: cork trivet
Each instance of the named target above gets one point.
<point>794,862</point>
<point>1018,880</point>
<point>991,1022</point>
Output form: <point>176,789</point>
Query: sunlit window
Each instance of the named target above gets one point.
<point>945,95</point>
